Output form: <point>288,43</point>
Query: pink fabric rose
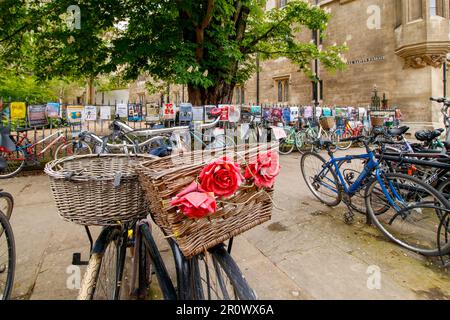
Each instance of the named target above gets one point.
<point>194,202</point>
<point>264,169</point>
<point>222,177</point>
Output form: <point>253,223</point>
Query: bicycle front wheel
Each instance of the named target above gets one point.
<point>6,204</point>
<point>72,149</point>
<point>15,161</point>
<point>216,276</point>
<point>7,258</point>
<point>321,179</point>
<point>413,216</point>
<point>103,277</point>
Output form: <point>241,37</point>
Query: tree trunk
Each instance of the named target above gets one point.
<point>90,91</point>
<point>220,94</point>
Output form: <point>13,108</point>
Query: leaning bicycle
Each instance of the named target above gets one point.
<point>7,247</point>
<point>405,209</point>
<point>113,198</point>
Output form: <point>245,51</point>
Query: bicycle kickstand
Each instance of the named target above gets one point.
<point>76,257</point>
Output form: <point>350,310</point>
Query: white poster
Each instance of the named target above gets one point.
<point>279,133</point>
<point>90,113</point>
<point>105,113</point>
<point>122,110</point>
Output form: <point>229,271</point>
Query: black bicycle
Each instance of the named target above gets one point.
<point>7,247</point>
<point>209,276</point>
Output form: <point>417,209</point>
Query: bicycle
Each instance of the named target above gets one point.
<point>123,211</point>
<point>20,152</point>
<point>7,251</point>
<point>405,209</point>
<point>6,203</point>
<point>210,275</point>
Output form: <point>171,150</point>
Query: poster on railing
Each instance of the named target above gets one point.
<point>135,112</point>
<point>105,112</point>
<point>37,116</point>
<point>186,112</point>
<point>198,113</point>
<point>209,118</point>
<point>122,110</point>
<point>225,112</point>
<point>75,114</point>
<point>18,110</point>
<point>234,114</point>
<point>169,111</point>
<point>90,113</point>
<point>53,110</point>
<point>152,113</point>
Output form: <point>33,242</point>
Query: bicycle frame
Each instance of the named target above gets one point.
<point>371,166</point>
<point>29,148</point>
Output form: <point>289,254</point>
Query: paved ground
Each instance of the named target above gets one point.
<point>305,252</point>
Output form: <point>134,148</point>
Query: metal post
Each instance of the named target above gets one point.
<point>445,77</point>
<point>257,79</point>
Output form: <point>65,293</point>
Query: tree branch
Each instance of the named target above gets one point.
<point>209,14</point>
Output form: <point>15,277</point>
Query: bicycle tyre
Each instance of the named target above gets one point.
<point>320,163</point>
<point>417,207</point>
<point>9,200</point>
<point>8,269</point>
<point>89,290</point>
<point>343,145</point>
<point>67,150</point>
<point>15,165</point>
<point>285,145</point>
<point>218,277</point>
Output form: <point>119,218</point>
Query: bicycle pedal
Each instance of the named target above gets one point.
<point>76,260</point>
<point>349,217</point>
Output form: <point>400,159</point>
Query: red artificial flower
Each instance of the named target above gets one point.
<point>264,169</point>
<point>222,177</point>
<point>194,202</point>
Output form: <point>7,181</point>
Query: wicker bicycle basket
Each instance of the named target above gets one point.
<point>377,121</point>
<point>97,190</point>
<point>163,179</point>
<point>327,122</point>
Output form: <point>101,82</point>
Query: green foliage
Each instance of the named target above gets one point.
<point>206,44</point>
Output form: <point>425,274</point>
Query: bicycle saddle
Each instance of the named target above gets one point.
<point>5,139</point>
<point>428,135</point>
<point>446,145</point>
<point>396,132</point>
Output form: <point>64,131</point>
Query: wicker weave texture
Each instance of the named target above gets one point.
<point>327,122</point>
<point>97,190</point>
<point>163,179</point>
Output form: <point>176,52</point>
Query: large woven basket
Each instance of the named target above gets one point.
<point>163,179</point>
<point>377,121</point>
<point>97,190</point>
<point>327,122</point>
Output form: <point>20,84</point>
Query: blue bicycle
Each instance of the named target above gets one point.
<point>405,209</point>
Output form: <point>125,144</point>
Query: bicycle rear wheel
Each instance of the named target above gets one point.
<point>216,276</point>
<point>15,161</point>
<point>6,204</point>
<point>413,221</point>
<point>343,145</point>
<point>72,149</point>
<point>321,180</point>
<point>286,145</point>
<point>103,277</point>
<point>7,258</point>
